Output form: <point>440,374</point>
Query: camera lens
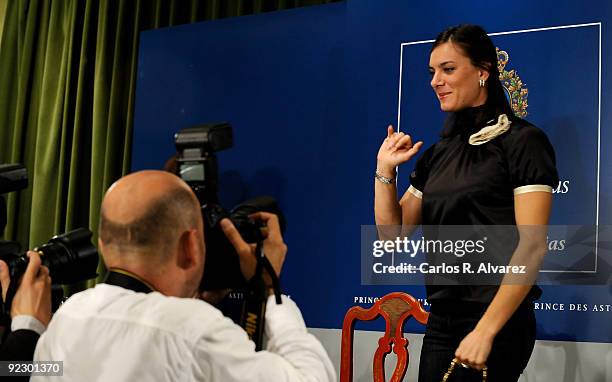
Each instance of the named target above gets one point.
<point>70,257</point>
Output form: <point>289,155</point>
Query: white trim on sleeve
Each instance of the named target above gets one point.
<point>415,192</point>
<point>532,188</point>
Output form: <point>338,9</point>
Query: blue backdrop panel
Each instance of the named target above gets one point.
<point>310,92</point>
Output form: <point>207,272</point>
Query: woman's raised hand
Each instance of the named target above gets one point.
<point>396,149</point>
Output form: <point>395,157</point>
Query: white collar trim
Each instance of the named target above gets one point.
<point>487,133</point>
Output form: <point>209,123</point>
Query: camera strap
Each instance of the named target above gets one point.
<point>256,297</point>
<point>127,280</point>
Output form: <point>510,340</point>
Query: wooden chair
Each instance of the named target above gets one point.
<point>395,308</point>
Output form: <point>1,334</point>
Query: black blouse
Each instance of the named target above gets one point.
<point>466,184</point>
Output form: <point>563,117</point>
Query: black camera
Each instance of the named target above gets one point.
<point>197,166</point>
<point>70,257</point>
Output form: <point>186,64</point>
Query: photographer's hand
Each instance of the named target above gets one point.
<point>273,246</point>
<point>33,296</point>
<point>5,279</point>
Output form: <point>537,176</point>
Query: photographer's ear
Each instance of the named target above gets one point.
<point>100,246</point>
<point>188,249</point>
<point>105,256</point>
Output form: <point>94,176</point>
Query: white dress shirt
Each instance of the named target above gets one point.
<point>109,333</point>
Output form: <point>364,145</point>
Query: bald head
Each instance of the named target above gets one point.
<point>145,212</point>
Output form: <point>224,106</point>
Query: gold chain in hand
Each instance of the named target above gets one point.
<point>454,362</point>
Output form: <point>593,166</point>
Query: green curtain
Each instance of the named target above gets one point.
<point>67,82</point>
<point>3,4</point>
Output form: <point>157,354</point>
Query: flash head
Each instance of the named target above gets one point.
<point>208,138</point>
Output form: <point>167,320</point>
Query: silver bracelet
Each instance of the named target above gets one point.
<point>383,179</point>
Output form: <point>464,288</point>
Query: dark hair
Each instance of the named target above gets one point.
<point>478,47</point>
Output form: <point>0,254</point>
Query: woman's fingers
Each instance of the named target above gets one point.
<point>404,155</point>
<point>397,148</point>
<point>415,148</point>
<point>395,139</point>
<point>404,143</point>
<point>398,140</point>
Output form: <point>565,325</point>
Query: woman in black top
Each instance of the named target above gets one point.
<point>489,168</point>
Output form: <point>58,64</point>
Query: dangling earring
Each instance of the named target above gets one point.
<point>481,82</point>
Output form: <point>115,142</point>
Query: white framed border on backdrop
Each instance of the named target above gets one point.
<point>595,24</point>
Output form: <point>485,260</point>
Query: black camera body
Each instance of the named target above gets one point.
<point>70,257</point>
<point>197,166</point>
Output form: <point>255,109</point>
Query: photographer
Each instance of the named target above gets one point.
<point>143,322</point>
<point>30,309</point>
